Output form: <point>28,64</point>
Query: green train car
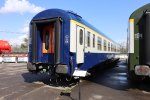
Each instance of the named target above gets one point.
<point>139,43</point>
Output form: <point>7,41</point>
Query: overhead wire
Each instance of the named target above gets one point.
<point>10,32</point>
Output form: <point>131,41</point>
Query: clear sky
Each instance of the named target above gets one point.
<point>109,16</point>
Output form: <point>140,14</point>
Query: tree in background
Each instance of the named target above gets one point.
<point>123,47</point>
<point>15,48</point>
<point>21,48</point>
<point>24,45</point>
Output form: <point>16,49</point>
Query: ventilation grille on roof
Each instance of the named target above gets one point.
<point>74,13</point>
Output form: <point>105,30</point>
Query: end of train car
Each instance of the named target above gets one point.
<point>63,42</point>
<point>139,43</point>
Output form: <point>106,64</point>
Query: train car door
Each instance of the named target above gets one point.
<point>80,45</point>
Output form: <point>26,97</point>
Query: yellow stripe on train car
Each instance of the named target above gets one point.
<point>75,22</point>
<point>131,20</point>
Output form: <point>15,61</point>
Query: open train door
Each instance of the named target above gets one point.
<point>46,41</point>
<point>80,45</point>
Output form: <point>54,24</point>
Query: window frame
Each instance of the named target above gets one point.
<point>99,43</point>
<point>81,37</point>
<point>111,47</point>
<point>105,45</point>
<point>88,38</point>
<point>108,46</point>
<point>93,40</point>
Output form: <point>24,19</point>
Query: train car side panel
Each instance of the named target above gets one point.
<point>138,62</point>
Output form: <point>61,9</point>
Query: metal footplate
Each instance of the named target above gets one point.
<point>80,73</point>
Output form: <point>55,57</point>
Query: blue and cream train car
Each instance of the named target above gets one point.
<point>61,41</point>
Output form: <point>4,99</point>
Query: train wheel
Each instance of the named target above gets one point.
<point>68,78</point>
<point>55,79</point>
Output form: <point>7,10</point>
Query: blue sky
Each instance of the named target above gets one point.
<point>109,16</point>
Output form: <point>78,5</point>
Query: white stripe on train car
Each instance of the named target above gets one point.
<point>1,59</point>
<point>131,36</point>
<point>72,37</point>
<point>22,59</point>
<point>87,49</point>
<point>9,59</point>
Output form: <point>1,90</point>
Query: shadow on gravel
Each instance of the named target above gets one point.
<point>46,79</point>
<point>31,77</point>
<point>115,76</point>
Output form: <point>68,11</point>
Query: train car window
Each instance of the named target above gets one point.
<point>111,47</point>
<point>85,39</point>
<point>117,49</point>
<point>108,46</point>
<point>99,43</point>
<point>81,36</point>
<point>114,48</point>
<point>93,40</point>
<point>47,40</point>
<point>105,45</point>
<point>88,39</point>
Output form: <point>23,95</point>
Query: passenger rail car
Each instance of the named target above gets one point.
<point>62,41</point>
<point>139,43</point>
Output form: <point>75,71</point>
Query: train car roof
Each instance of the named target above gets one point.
<point>66,15</point>
<point>137,14</point>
